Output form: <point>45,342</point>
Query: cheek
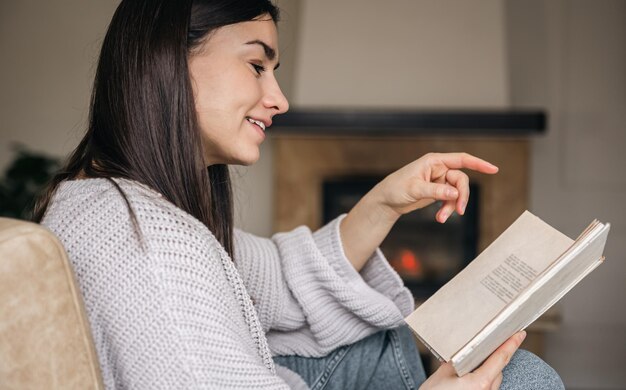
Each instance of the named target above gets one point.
<point>228,94</point>
<point>208,97</point>
<point>222,99</point>
<point>208,85</point>
<point>211,106</point>
<point>216,119</point>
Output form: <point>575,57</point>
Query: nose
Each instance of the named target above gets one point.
<point>275,99</point>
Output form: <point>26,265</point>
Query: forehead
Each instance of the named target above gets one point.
<point>234,37</point>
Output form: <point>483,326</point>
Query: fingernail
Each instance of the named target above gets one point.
<point>523,336</point>
<point>444,216</point>
<point>463,206</point>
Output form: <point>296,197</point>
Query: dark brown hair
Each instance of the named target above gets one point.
<point>142,121</point>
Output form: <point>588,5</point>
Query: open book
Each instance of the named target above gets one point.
<point>508,286</point>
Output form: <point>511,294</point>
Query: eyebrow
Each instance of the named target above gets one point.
<point>270,53</point>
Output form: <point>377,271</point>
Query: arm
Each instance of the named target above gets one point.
<point>309,297</point>
<point>258,262</point>
<point>433,177</point>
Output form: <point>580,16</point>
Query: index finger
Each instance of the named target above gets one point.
<point>495,363</point>
<point>465,160</point>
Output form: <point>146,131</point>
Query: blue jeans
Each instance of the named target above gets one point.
<point>389,360</point>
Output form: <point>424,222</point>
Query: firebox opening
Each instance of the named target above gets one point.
<point>425,253</point>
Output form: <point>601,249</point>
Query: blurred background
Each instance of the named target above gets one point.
<point>566,58</point>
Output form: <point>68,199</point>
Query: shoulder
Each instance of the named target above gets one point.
<point>94,212</point>
<point>113,261</point>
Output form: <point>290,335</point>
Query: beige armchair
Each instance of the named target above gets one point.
<point>45,339</point>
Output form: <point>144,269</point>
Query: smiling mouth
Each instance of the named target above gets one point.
<point>255,122</point>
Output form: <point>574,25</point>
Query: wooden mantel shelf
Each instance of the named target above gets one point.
<point>411,122</point>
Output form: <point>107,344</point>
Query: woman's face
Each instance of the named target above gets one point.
<point>236,93</point>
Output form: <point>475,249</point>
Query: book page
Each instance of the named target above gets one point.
<point>582,258</point>
<point>460,309</point>
<point>509,278</point>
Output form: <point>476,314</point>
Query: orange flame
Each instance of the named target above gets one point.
<point>410,263</point>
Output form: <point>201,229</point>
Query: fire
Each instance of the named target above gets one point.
<point>409,263</point>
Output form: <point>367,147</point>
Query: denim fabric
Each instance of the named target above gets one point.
<point>384,360</point>
<point>390,360</point>
<point>526,371</point>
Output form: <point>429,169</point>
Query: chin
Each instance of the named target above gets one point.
<point>250,162</point>
<point>246,160</point>
<point>242,156</point>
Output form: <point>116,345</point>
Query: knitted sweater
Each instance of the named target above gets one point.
<point>176,312</point>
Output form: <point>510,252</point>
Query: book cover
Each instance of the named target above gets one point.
<point>525,271</point>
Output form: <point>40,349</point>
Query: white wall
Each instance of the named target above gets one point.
<point>402,53</point>
<point>569,56</point>
<point>49,51</point>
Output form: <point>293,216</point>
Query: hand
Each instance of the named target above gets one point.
<point>486,377</point>
<point>434,176</point>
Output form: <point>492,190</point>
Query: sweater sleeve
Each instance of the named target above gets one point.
<point>309,297</point>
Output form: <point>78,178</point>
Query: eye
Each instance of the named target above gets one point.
<point>258,68</point>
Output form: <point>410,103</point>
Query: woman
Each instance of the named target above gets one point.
<point>144,209</point>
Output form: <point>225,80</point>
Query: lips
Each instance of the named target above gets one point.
<point>256,122</point>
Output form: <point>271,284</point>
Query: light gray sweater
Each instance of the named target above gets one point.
<point>177,313</point>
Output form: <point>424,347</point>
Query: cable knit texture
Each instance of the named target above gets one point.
<point>176,312</point>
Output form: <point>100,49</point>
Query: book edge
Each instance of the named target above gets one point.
<point>526,294</point>
<point>431,349</point>
<point>459,364</point>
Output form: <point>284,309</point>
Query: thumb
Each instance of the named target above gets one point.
<point>436,191</point>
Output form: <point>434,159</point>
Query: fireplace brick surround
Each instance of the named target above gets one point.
<point>302,162</point>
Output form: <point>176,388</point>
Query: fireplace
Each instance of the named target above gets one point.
<point>303,163</point>
<point>315,151</point>
<point>425,253</point>
<point>309,170</point>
